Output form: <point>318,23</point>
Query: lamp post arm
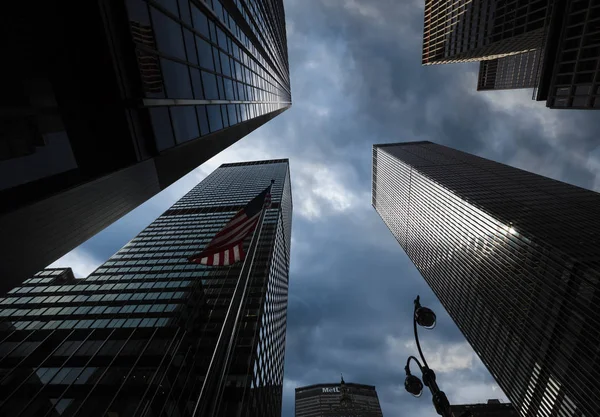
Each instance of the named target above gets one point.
<point>417,305</point>
<point>407,367</point>
<point>440,401</point>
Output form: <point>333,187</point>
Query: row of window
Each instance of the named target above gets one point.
<point>224,16</point>
<point>217,198</point>
<point>179,124</point>
<point>156,231</point>
<point>191,221</point>
<point>259,28</point>
<point>199,229</point>
<point>185,82</point>
<point>49,272</point>
<point>96,298</point>
<point>276,56</point>
<point>91,324</point>
<point>64,376</point>
<point>101,309</point>
<point>169,258</point>
<point>176,242</point>
<point>141,258</point>
<point>105,287</point>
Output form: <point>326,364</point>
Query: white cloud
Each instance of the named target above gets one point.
<point>391,18</point>
<point>557,163</point>
<point>320,189</point>
<point>447,357</point>
<point>318,110</point>
<point>443,357</point>
<point>364,9</point>
<point>556,126</point>
<point>591,161</point>
<point>520,107</point>
<point>250,148</point>
<point>472,392</point>
<point>80,261</point>
<point>321,75</point>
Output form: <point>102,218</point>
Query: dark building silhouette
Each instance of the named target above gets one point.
<point>461,31</point>
<point>513,257</point>
<point>571,73</point>
<point>555,43</point>
<point>510,72</point>
<point>337,400</point>
<point>107,103</point>
<point>136,337</point>
<point>493,408</point>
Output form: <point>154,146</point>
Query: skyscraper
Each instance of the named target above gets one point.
<point>337,400</point>
<point>493,408</point>
<point>102,111</point>
<point>137,337</point>
<point>570,76</point>
<point>556,44</point>
<point>469,31</point>
<point>514,259</point>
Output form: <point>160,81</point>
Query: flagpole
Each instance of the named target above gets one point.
<point>209,399</point>
<point>231,345</point>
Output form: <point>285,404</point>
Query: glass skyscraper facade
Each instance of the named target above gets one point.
<point>513,71</point>
<point>467,31</point>
<point>136,337</point>
<point>573,81</point>
<point>562,36</point>
<point>209,65</point>
<point>92,132</point>
<point>513,257</point>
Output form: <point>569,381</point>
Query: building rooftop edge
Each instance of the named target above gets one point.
<point>334,384</point>
<point>262,162</point>
<point>55,268</point>
<point>383,145</point>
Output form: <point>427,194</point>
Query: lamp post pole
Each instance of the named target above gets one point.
<point>426,318</point>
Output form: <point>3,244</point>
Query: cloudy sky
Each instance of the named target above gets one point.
<point>357,80</point>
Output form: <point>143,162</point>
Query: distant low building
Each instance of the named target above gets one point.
<point>337,400</point>
<point>493,408</point>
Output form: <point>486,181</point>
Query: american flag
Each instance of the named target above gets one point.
<point>226,247</point>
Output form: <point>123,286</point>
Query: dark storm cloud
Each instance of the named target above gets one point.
<point>359,63</point>
<point>386,95</point>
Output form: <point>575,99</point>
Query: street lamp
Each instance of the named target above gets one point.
<point>425,317</point>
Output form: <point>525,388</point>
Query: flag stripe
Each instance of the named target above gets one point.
<point>237,217</point>
<point>232,241</point>
<point>231,230</point>
<point>235,244</point>
<point>240,216</point>
<point>242,232</point>
<point>227,247</point>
